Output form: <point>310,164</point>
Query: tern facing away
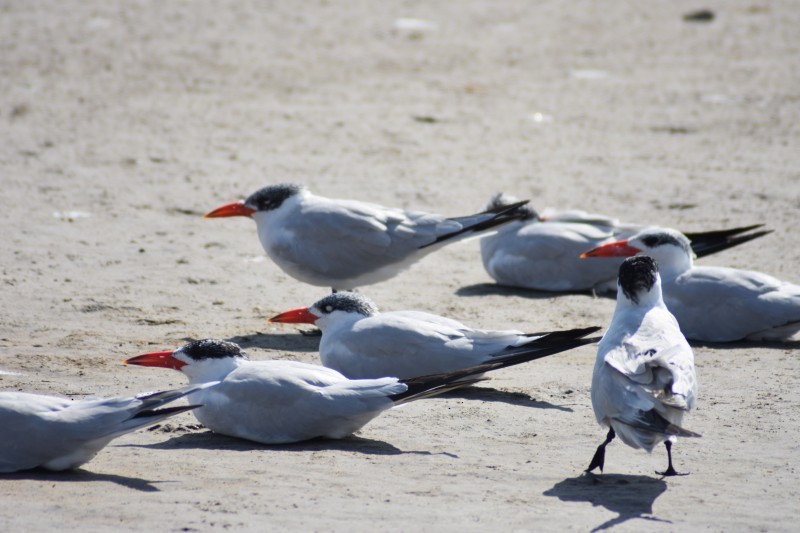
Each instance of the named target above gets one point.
<point>714,304</point>
<point>60,434</point>
<point>360,342</point>
<point>644,377</point>
<point>345,244</point>
<point>279,402</point>
<point>542,252</point>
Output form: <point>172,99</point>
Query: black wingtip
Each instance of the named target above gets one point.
<point>550,344</point>
<point>502,215</point>
<point>711,242</point>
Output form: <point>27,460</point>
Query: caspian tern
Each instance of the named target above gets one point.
<point>361,342</point>
<point>278,402</point>
<point>542,252</point>
<point>344,244</point>
<point>644,378</point>
<point>714,304</point>
<point>60,434</point>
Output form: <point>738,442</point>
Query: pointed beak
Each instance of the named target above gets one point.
<point>295,316</point>
<point>612,249</point>
<point>236,209</point>
<point>156,359</point>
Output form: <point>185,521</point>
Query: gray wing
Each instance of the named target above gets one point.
<point>723,304</point>
<point>345,239</point>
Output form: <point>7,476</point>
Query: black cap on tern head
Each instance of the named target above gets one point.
<point>637,274</point>
<point>272,196</point>
<point>212,349</point>
<point>349,302</point>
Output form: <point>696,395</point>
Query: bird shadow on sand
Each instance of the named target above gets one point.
<point>290,341</point>
<point>628,496</point>
<point>741,345</point>
<point>489,394</point>
<point>208,440</point>
<point>82,476</point>
<point>493,289</point>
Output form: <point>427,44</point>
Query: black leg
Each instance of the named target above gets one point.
<point>600,455</point>
<point>670,471</point>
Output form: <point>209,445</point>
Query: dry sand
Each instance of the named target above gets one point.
<point>148,114</point>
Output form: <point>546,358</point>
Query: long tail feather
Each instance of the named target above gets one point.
<point>536,349</point>
<point>501,214</point>
<point>710,242</point>
<point>654,422</point>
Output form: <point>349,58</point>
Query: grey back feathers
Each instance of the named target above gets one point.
<point>637,274</point>
<point>212,349</point>
<point>272,196</point>
<point>349,302</point>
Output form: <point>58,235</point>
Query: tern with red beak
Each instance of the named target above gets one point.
<point>541,251</point>
<point>277,402</point>
<point>714,304</point>
<point>344,244</point>
<point>361,342</point>
<point>59,434</point>
<point>644,377</point>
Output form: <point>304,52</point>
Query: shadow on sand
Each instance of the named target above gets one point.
<point>82,476</point>
<point>628,496</point>
<point>208,440</point>
<point>489,394</point>
<point>493,289</point>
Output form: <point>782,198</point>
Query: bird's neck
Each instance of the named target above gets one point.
<point>212,369</point>
<point>672,265</point>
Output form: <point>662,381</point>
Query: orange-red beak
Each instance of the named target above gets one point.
<point>156,359</point>
<point>236,209</point>
<point>612,249</point>
<point>295,316</point>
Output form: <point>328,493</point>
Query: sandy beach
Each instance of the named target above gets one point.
<point>125,122</point>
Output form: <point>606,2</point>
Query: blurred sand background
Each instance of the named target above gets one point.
<point>124,122</point>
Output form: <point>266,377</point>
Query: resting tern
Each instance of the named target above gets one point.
<point>542,251</point>
<point>360,342</point>
<point>344,244</point>
<point>714,304</point>
<point>60,434</point>
<point>644,377</point>
<point>278,402</point>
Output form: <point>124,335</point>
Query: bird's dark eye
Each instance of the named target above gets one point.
<point>651,241</point>
<point>329,308</point>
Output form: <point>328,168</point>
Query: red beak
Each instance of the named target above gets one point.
<point>156,359</point>
<point>612,249</point>
<point>295,316</point>
<point>236,209</point>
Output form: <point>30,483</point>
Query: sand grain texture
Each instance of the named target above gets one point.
<point>145,115</point>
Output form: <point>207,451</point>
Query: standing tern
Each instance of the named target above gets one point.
<point>360,342</point>
<point>344,244</point>
<point>542,252</point>
<point>60,434</point>
<point>279,402</point>
<point>644,377</point>
<point>714,304</point>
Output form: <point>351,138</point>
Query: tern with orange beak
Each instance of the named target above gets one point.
<point>541,251</point>
<point>361,342</point>
<point>713,304</point>
<point>344,244</point>
<point>276,402</point>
